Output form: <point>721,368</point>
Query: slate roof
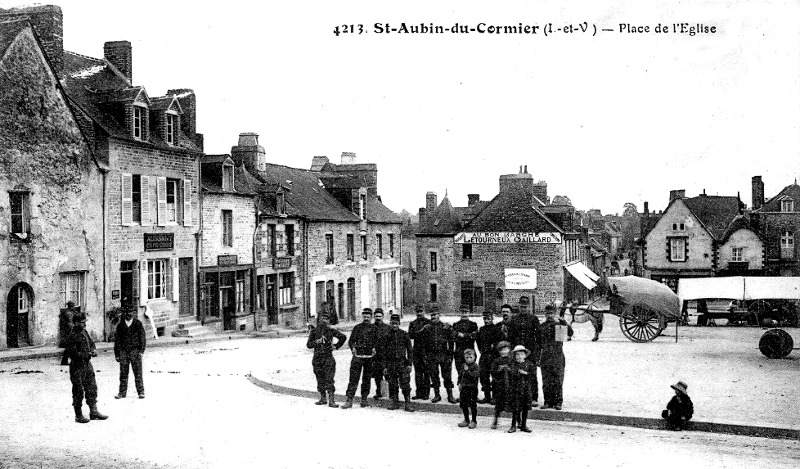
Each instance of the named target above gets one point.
<point>306,197</point>
<point>738,223</point>
<point>93,84</point>
<point>774,204</point>
<point>444,220</point>
<point>512,211</point>
<point>9,30</point>
<point>715,212</point>
<point>349,167</point>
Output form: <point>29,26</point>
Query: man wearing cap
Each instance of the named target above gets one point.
<point>378,366</point>
<point>439,343</point>
<point>552,359</point>
<point>321,340</point>
<point>398,363</point>
<point>78,352</point>
<point>422,380</point>
<point>464,333</point>
<point>505,311</point>
<point>129,346</point>
<point>362,344</point>
<point>488,336</point>
<point>523,329</point>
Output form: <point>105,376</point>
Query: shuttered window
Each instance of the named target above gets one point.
<point>161,193</point>
<point>127,199</point>
<point>187,202</point>
<point>146,217</point>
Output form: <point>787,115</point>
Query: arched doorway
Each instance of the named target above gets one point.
<point>18,315</point>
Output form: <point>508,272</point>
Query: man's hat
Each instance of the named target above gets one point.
<point>394,317</point>
<point>524,300</point>
<point>378,310</point>
<point>419,309</point>
<point>507,306</point>
<point>521,348</point>
<point>487,315</point>
<point>503,344</point>
<point>78,317</point>
<point>680,386</point>
<point>366,311</point>
<point>550,307</point>
<point>469,351</point>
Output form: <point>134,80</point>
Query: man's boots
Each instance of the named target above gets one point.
<point>364,402</point>
<point>79,415</point>
<point>436,396</point>
<point>394,405</point>
<point>348,403</point>
<point>450,398</point>
<point>95,414</point>
<point>323,399</point>
<point>332,400</point>
<point>408,407</point>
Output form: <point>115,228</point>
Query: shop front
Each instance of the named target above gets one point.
<point>225,293</point>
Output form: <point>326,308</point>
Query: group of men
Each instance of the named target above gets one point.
<point>431,347</point>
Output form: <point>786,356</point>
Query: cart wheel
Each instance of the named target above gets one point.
<point>640,325</point>
<point>776,343</point>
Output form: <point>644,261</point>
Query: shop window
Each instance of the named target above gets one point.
<point>73,288</point>
<point>240,291</point>
<point>156,279</point>
<point>286,288</point>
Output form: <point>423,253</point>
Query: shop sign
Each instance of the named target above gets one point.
<point>159,241</point>
<point>520,279</point>
<point>281,262</point>
<point>226,260</point>
<point>507,237</point>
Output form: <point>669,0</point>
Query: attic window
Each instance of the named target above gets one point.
<point>138,122</point>
<point>280,202</point>
<point>227,177</point>
<point>362,206</point>
<point>172,128</point>
<point>787,205</point>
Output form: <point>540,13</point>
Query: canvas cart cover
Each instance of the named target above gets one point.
<point>648,293</point>
<point>740,288</point>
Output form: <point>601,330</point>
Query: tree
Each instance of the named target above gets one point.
<point>561,200</point>
<point>630,225</point>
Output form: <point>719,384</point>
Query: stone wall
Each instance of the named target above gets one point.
<point>243,227</point>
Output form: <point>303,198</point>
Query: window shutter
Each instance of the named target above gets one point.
<point>187,202</point>
<point>161,192</point>
<point>669,257</point>
<point>686,247</point>
<point>127,199</point>
<point>145,202</point>
<point>143,282</point>
<point>174,277</point>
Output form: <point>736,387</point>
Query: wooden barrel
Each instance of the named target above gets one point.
<point>776,343</point>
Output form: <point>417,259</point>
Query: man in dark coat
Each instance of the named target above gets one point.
<point>488,337</point>
<point>378,366</point>
<point>438,340</point>
<point>78,353</point>
<point>362,344</point>
<point>523,329</point>
<point>552,359</point>
<point>65,323</point>
<point>398,364</point>
<point>321,340</point>
<point>129,347</point>
<point>422,380</point>
<point>464,333</point>
<point>505,312</point>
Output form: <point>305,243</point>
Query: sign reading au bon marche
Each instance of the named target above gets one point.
<point>507,237</point>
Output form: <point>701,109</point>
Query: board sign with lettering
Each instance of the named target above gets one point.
<point>159,241</point>
<point>229,259</point>
<point>520,279</point>
<point>507,237</point>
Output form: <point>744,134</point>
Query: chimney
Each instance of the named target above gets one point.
<point>758,192</point>
<point>519,182</point>
<point>318,162</point>
<point>677,194</point>
<point>430,202</point>
<point>48,23</point>
<point>348,157</point>
<point>119,54</point>
<point>421,215</point>
<point>646,209</point>
<point>249,152</point>
<point>473,199</point>
<point>526,169</point>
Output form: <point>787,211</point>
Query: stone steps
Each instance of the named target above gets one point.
<point>191,328</point>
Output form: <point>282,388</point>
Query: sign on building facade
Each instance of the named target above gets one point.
<point>520,279</point>
<point>507,237</point>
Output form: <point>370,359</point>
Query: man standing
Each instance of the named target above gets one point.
<point>464,332</point>
<point>439,343</point>
<point>362,344</point>
<point>398,363</point>
<point>129,347</point>
<point>321,340</point>
<point>422,380</point>
<point>505,311</point>
<point>381,332</point>
<point>65,323</point>
<point>78,352</point>
<point>489,335</point>
<point>523,329</point>
<point>552,359</point>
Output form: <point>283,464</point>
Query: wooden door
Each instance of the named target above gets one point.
<point>186,286</point>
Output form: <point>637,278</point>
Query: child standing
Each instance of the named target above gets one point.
<point>679,409</point>
<point>468,389</point>
<point>501,366</point>
<point>521,377</point>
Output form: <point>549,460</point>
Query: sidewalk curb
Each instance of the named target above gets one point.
<point>560,416</point>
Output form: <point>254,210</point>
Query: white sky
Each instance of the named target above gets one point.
<point>604,120</point>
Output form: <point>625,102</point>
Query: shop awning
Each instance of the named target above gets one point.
<point>583,274</point>
<point>739,288</point>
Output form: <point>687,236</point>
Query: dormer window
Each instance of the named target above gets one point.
<point>138,122</point>
<point>362,207</point>
<point>787,205</point>
<point>280,203</point>
<point>172,128</point>
<point>227,178</point>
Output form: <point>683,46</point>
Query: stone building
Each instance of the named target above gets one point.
<point>51,198</point>
<point>151,152</point>
<point>494,252</point>
<point>701,236</point>
<point>778,222</point>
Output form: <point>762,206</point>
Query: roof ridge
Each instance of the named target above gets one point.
<point>84,56</point>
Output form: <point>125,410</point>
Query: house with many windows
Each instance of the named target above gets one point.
<point>51,197</point>
<point>778,221</point>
